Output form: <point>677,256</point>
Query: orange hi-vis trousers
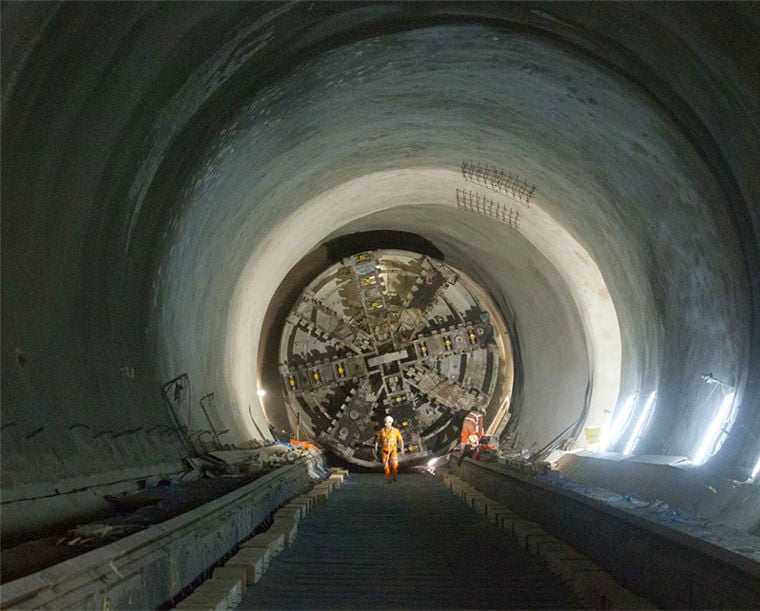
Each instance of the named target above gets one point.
<point>390,462</point>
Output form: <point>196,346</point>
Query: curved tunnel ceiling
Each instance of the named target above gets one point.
<point>194,174</point>
<point>329,144</point>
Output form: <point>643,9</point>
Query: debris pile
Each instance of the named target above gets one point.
<point>662,513</point>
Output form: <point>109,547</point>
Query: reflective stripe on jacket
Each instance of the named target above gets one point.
<point>389,438</point>
<point>474,422</point>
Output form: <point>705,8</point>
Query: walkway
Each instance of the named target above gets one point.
<point>407,545</point>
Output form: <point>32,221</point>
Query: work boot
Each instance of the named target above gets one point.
<point>395,477</point>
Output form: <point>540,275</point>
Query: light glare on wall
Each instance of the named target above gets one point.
<point>715,433</point>
<point>640,424</point>
<point>756,470</point>
<point>612,436</point>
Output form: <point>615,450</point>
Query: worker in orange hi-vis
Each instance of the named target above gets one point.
<point>485,450</point>
<point>391,440</point>
<point>472,425</point>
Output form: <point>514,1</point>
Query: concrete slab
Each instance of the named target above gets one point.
<point>230,589</point>
<point>520,527</point>
<point>464,491</point>
<point>572,569</point>
<point>303,498</point>
<point>306,503</point>
<point>214,594</point>
<point>330,485</point>
<point>593,586</point>
<point>500,517</point>
<point>232,572</point>
<point>273,541</point>
<point>555,552</point>
<point>290,516</point>
<point>252,560</point>
<point>288,526</point>
<point>204,601</point>
<point>301,506</point>
<point>480,503</point>
<point>319,496</point>
<point>497,512</point>
<point>262,553</point>
<point>202,604</point>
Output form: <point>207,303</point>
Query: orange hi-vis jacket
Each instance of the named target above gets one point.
<point>472,425</point>
<point>390,438</point>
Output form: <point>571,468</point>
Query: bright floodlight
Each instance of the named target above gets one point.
<point>756,470</point>
<point>612,436</point>
<point>709,444</point>
<point>640,424</point>
<point>261,392</point>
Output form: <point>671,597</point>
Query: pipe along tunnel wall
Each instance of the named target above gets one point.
<point>165,167</point>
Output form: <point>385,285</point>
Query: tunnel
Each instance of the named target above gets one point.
<point>191,194</point>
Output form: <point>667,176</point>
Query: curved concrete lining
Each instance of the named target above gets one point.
<point>414,189</point>
<point>262,168</point>
<point>161,164</point>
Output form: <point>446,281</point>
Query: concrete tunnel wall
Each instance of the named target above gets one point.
<point>160,163</point>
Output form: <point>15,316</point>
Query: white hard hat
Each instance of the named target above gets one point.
<point>388,419</point>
